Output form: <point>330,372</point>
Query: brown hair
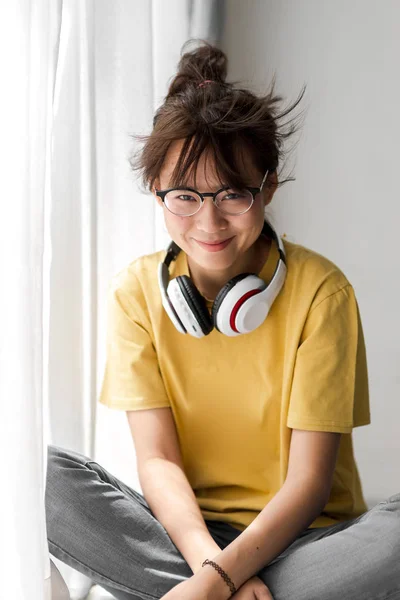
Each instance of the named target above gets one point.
<point>215,117</point>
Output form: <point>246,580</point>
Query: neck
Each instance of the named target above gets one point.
<point>209,283</point>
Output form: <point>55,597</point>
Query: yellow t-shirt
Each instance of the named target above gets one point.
<point>235,400</point>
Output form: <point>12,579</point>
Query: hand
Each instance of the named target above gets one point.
<point>191,589</point>
<point>253,589</point>
<point>204,584</point>
<point>200,587</point>
<point>187,590</point>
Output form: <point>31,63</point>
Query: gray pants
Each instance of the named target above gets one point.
<point>106,530</point>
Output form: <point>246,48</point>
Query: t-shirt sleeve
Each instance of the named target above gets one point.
<point>132,378</point>
<point>330,382</point>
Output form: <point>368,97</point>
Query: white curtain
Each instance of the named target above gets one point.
<point>79,77</point>
<point>29,34</point>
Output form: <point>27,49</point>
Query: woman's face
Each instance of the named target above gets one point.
<point>209,224</point>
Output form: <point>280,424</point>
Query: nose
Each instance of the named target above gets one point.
<point>209,218</point>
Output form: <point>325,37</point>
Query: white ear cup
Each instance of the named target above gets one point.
<point>252,314</point>
<point>241,307</point>
<point>182,307</point>
<point>242,311</point>
<point>163,277</point>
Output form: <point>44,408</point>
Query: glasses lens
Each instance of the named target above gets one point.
<point>182,202</point>
<point>234,202</point>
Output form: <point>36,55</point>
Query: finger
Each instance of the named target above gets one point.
<point>264,594</point>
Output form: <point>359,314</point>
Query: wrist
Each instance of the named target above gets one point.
<point>210,551</point>
<point>214,586</point>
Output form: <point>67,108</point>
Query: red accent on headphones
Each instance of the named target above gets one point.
<point>232,320</point>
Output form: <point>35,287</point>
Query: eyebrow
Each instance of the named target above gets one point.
<point>190,184</point>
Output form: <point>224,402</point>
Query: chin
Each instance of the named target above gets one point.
<point>213,262</point>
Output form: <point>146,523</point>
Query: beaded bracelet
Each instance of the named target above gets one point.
<point>226,578</point>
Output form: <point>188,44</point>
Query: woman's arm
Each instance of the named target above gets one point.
<point>172,500</point>
<point>165,485</point>
<point>300,500</point>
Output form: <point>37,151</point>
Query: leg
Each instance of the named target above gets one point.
<point>101,527</point>
<point>356,560</point>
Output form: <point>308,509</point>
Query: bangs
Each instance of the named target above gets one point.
<point>224,157</point>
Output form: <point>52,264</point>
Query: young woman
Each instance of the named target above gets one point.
<point>239,359</point>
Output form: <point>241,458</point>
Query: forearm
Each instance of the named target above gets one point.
<point>172,501</point>
<point>289,512</point>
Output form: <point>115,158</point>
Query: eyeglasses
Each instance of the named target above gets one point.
<point>185,201</point>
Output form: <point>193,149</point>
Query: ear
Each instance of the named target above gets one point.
<point>270,188</point>
<point>156,185</point>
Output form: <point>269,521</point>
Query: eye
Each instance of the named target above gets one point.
<point>234,194</point>
<point>185,197</point>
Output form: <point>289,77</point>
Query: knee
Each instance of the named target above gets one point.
<point>55,456</point>
<point>392,503</point>
<point>57,460</point>
<point>395,499</point>
<point>59,457</point>
<point>53,452</point>
<point>62,465</point>
<point>53,492</point>
<point>63,478</point>
<point>390,512</point>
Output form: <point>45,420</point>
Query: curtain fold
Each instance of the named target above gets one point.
<point>73,270</point>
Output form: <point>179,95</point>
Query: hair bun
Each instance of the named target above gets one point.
<point>204,62</point>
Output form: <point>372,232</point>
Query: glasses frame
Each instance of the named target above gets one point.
<point>253,190</point>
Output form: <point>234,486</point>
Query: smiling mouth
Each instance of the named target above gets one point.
<point>215,246</point>
<point>214,243</point>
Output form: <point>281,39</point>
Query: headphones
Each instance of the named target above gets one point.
<point>240,306</point>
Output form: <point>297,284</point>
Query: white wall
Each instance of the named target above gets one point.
<point>345,200</point>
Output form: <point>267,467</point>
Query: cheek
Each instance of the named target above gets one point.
<point>251,230</point>
<point>177,226</point>
<point>252,224</point>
